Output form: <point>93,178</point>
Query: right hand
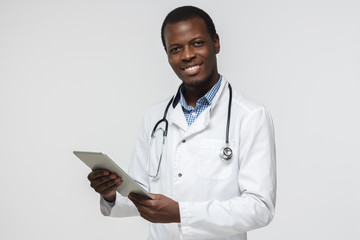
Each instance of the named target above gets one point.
<point>105,183</point>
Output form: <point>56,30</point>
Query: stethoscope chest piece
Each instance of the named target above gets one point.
<point>226,153</point>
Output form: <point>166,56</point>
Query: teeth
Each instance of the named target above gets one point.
<point>193,68</point>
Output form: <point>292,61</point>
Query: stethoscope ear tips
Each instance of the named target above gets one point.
<point>226,153</point>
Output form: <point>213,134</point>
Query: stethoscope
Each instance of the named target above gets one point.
<point>225,152</point>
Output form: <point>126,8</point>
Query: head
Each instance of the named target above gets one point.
<point>191,44</point>
<point>185,13</point>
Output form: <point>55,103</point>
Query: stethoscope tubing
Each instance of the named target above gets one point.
<point>228,116</point>
<point>226,156</point>
<point>225,152</point>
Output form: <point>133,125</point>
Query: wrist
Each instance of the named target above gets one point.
<point>110,199</point>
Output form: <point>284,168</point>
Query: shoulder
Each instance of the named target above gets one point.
<point>240,101</point>
<point>246,104</point>
<point>152,115</point>
<point>251,115</point>
<point>247,109</point>
<point>157,110</point>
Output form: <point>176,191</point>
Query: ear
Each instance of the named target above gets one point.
<point>216,42</point>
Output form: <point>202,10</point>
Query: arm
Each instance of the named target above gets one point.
<point>121,206</point>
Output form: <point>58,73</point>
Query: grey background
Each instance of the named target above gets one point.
<point>78,75</point>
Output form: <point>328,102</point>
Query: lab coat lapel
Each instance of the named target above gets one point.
<point>199,124</point>
<point>204,118</point>
<point>177,115</point>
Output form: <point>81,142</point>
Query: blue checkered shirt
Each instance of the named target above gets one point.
<point>191,113</point>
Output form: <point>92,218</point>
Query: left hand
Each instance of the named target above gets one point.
<point>159,210</point>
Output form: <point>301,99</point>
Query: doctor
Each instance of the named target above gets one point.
<point>198,193</point>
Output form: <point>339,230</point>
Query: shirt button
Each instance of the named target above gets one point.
<point>184,140</point>
<point>179,174</point>
<point>194,114</point>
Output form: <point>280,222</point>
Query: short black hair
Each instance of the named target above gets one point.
<point>185,13</point>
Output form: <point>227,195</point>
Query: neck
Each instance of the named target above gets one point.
<point>193,93</point>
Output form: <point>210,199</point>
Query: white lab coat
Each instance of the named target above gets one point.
<point>218,199</point>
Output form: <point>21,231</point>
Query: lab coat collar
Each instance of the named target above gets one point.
<point>177,117</point>
<point>208,96</point>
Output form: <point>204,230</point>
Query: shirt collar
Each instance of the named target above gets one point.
<point>208,97</point>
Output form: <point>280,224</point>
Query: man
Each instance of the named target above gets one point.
<point>198,194</point>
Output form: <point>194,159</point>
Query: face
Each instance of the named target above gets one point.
<point>192,52</point>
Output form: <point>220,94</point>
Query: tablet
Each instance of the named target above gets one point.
<point>95,160</point>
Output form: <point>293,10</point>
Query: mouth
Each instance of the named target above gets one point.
<point>192,69</point>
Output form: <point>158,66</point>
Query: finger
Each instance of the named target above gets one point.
<point>138,205</point>
<point>156,196</point>
<point>147,216</point>
<point>110,191</point>
<point>98,173</point>
<point>108,186</point>
<point>144,207</point>
<point>143,210</point>
<point>94,183</point>
<point>139,199</point>
<point>98,180</point>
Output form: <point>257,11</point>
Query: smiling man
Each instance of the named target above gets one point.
<point>210,165</point>
<point>192,53</point>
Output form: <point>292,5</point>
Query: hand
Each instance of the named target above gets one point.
<point>105,183</point>
<point>160,210</point>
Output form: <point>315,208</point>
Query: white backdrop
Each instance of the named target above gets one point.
<point>78,75</point>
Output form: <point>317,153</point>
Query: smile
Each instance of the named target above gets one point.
<point>192,69</point>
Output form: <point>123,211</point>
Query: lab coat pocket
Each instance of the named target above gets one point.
<point>209,164</point>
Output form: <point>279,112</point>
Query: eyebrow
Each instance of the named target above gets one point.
<point>177,44</point>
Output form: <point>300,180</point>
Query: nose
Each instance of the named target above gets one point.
<point>188,54</point>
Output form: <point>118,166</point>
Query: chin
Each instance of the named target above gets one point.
<point>194,82</point>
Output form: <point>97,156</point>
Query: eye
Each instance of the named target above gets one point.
<point>198,43</point>
<point>174,50</point>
